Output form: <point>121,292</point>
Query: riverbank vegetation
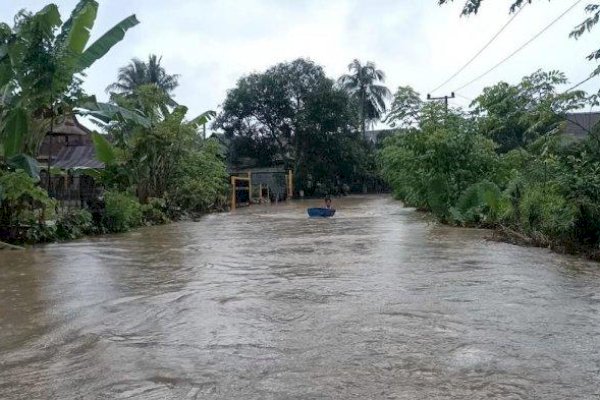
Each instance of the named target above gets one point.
<point>157,166</point>
<point>507,164</point>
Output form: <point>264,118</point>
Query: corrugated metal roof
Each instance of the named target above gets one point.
<point>580,125</point>
<point>76,157</point>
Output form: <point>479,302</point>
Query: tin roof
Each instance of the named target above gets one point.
<point>70,157</point>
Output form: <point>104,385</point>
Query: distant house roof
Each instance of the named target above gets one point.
<point>70,126</point>
<point>579,125</point>
<point>77,157</point>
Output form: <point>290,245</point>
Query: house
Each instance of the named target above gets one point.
<point>70,150</point>
<point>580,125</point>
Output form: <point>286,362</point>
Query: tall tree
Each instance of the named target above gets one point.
<point>138,73</point>
<point>293,113</point>
<point>517,115</point>
<point>405,110</point>
<point>365,84</point>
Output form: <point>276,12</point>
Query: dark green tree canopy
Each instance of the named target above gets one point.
<point>293,114</point>
<point>516,115</point>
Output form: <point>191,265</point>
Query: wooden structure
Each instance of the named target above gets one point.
<point>63,156</point>
<point>260,184</point>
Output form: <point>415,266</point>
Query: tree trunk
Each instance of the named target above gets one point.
<point>363,117</point>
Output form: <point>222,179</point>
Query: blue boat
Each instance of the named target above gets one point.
<point>320,212</point>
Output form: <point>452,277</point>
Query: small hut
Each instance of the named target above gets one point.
<point>70,150</point>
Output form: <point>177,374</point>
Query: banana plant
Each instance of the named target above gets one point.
<point>42,61</point>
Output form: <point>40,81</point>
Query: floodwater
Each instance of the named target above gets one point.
<point>264,303</point>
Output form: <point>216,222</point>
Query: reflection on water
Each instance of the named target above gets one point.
<point>264,303</point>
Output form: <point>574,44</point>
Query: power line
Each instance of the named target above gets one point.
<point>520,48</point>
<point>464,97</point>
<point>461,69</point>
<point>579,84</point>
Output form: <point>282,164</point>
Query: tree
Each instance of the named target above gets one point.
<point>363,84</point>
<point>148,157</point>
<point>138,73</point>
<point>517,115</point>
<point>42,61</point>
<point>405,110</point>
<point>293,114</point>
<point>261,113</point>
<point>472,7</point>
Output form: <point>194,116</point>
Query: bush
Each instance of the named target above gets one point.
<point>481,203</point>
<point>430,169</point>
<point>122,212</point>
<point>22,201</point>
<point>154,212</point>
<point>74,225</point>
<point>39,233</point>
<point>543,210</point>
<point>202,180</point>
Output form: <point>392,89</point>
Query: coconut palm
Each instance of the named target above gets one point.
<point>363,83</point>
<point>138,73</point>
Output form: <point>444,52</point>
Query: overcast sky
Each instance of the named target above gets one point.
<point>212,43</point>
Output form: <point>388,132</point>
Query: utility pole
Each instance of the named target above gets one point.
<point>445,98</point>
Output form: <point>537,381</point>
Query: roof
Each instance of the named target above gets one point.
<point>70,157</point>
<point>70,126</point>
<point>579,125</point>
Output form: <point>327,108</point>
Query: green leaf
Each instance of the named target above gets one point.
<point>203,118</point>
<point>27,164</point>
<point>104,150</point>
<point>78,27</point>
<point>49,17</point>
<point>107,112</point>
<point>13,131</point>
<point>101,46</point>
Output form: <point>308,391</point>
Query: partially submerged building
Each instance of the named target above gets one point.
<point>69,153</point>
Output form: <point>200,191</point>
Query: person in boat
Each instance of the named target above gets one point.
<point>328,203</point>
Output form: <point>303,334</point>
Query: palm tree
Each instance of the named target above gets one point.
<point>138,73</point>
<point>363,83</point>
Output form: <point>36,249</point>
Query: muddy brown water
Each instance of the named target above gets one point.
<point>264,303</point>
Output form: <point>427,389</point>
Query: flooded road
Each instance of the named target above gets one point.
<point>264,303</point>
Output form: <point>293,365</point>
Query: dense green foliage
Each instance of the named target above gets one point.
<point>166,160</point>
<point>506,165</point>
<point>157,165</point>
<point>294,115</point>
<point>122,212</point>
<point>41,64</point>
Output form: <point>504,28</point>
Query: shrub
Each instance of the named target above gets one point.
<point>122,212</point>
<point>543,210</point>
<point>74,225</point>
<point>430,169</point>
<point>481,203</point>
<point>154,212</point>
<point>21,200</point>
<point>202,180</point>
